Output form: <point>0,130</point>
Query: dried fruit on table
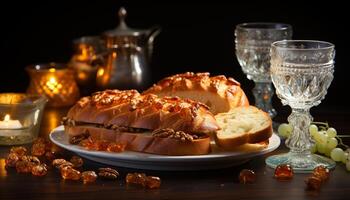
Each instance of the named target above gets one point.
<point>38,149</point>
<point>39,140</point>
<point>284,172</point>
<point>136,178</point>
<point>68,173</point>
<point>59,163</point>
<point>77,161</point>
<point>313,183</point>
<point>114,147</point>
<point>247,176</point>
<point>89,177</point>
<point>108,173</point>
<point>24,166</point>
<point>39,170</point>
<point>153,182</point>
<point>20,151</point>
<point>50,156</point>
<point>33,159</point>
<point>11,160</point>
<point>321,172</point>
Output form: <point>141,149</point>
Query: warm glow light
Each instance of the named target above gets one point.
<point>100,72</point>
<point>3,172</point>
<point>7,118</point>
<point>52,70</point>
<point>53,85</point>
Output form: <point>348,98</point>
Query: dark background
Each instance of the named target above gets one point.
<point>195,36</point>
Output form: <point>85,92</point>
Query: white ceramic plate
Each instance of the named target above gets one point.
<point>216,159</point>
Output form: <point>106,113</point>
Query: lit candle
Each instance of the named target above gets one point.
<point>55,81</point>
<point>8,123</point>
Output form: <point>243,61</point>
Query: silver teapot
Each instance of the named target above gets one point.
<point>127,56</point>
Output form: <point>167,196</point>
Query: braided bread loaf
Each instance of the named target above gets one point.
<point>219,93</point>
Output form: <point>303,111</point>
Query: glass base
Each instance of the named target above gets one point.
<point>301,163</point>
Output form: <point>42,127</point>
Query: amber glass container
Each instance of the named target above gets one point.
<point>55,81</point>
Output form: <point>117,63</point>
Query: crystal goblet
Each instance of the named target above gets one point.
<point>253,43</point>
<point>301,71</point>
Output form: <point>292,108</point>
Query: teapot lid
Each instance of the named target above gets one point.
<point>123,29</point>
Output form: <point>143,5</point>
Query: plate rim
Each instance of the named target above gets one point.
<point>145,157</point>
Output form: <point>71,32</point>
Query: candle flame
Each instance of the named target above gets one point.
<point>53,85</point>
<point>100,72</point>
<point>7,118</point>
<point>52,70</point>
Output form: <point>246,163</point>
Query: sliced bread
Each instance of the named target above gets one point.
<point>242,125</point>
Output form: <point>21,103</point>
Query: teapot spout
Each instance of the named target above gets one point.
<point>152,35</point>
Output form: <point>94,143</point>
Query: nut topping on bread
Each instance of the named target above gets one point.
<point>170,133</point>
<point>130,109</point>
<point>218,92</point>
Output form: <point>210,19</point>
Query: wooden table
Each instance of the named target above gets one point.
<point>213,184</point>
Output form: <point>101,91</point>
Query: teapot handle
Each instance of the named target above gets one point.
<point>152,35</point>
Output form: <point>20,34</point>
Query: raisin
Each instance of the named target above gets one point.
<point>321,172</point>
<point>33,159</point>
<point>283,172</point>
<point>77,161</point>
<point>39,170</point>
<point>313,183</point>
<point>59,163</point>
<point>38,149</point>
<point>20,151</point>
<point>153,182</point>
<point>24,166</point>
<point>11,160</point>
<point>136,178</point>
<point>114,147</point>
<point>247,176</point>
<point>69,173</point>
<point>89,177</point>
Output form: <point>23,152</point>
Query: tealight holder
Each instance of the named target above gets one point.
<point>55,81</point>
<point>20,117</point>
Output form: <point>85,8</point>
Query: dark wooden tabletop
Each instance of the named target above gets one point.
<point>211,184</point>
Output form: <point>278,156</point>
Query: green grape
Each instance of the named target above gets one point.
<point>331,132</point>
<point>328,151</point>
<point>320,137</point>
<point>332,143</point>
<point>337,154</point>
<point>284,130</point>
<point>313,148</point>
<point>313,129</point>
<point>345,158</point>
<point>321,148</point>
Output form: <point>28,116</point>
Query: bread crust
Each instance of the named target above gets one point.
<point>145,142</point>
<point>130,109</point>
<point>237,140</point>
<point>227,91</point>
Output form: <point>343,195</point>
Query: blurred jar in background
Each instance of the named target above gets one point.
<point>86,59</point>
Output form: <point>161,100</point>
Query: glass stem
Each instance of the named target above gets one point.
<point>263,92</point>
<point>300,140</point>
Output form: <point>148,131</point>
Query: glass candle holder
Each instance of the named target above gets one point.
<point>20,117</point>
<point>86,59</point>
<point>55,81</point>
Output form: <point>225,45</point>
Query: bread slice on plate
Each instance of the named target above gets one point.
<point>243,128</point>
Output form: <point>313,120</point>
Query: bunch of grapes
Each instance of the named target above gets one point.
<point>327,141</point>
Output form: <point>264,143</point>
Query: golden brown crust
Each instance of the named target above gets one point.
<point>145,142</point>
<point>130,109</point>
<point>227,90</point>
